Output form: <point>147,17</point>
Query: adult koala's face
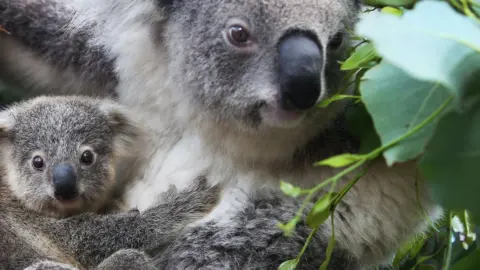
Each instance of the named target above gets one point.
<point>261,63</point>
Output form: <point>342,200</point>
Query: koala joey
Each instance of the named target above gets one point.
<point>58,168</point>
<point>60,154</point>
<point>92,241</point>
<point>227,90</point>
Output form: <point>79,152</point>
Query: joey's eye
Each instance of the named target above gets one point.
<point>336,41</point>
<point>238,35</point>
<point>37,163</point>
<point>87,157</point>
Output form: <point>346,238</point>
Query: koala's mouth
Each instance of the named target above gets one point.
<point>72,202</point>
<point>275,116</point>
<point>68,201</point>
<point>67,197</point>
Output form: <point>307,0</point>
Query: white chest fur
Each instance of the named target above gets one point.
<point>179,167</point>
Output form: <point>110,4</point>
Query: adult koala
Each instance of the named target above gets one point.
<point>228,90</point>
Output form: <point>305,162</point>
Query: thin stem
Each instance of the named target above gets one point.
<point>349,186</point>
<point>307,199</point>
<point>338,176</point>
<point>305,246</point>
<point>425,258</point>
<point>448,253</point>
<point>360,44</point>
<point>347,78</point>
<point>331,244</point>
<point>318,187</point>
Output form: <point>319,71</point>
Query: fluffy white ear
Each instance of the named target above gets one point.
<point>7,123</point>
<point>128,133</point>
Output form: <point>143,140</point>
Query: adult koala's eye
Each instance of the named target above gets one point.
<point>87,158</point>
<point>238,35</point>
<point>38,163</point>
<point>336,41</point>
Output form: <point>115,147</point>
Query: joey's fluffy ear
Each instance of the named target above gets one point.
<point>7,123</point>
<point>128,134</point>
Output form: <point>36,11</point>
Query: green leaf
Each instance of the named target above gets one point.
<point>330,248</point>
<point>290,190</point>
<point>335,97</point>
<point>289,227</point>
<point>402,254</point>
<point>417,246</point>
<point>397,103</point>
<point>471,262</point>
<point>452,163</point>
<point>288,265</point>
<point>432,42</point>
<point>393,11</point>
<point>339,161</point>
<point>321,210</point>
<point>409,250</point>
<point>361,56</point>
<point>394,3</point>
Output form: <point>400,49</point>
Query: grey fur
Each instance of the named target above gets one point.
<point>85,240</point>
<point>40,24</point>
<point>211,110</point>
<point>59,130</point>
<point>253,234</point>
<point>125,259</point>
<point>50,265</point>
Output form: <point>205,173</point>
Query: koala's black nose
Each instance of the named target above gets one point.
<point>65,182</point>
<point>300,63</point>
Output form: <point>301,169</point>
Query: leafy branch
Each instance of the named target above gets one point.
<point>419,100</point>
<point>325,205</point>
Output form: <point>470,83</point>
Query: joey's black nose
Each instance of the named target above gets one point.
<point>299,65</point>
<point>65,182</point>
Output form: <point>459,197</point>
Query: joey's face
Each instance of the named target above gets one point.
<point>62,155</point>
<point>260,64</point>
